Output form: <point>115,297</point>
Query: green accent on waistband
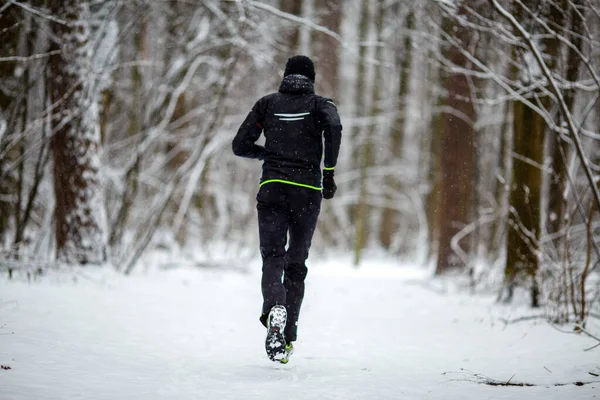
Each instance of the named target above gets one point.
<point>329,168</point>
<point>291,183</point>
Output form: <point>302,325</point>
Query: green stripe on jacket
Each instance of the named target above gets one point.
<point>290,183</point>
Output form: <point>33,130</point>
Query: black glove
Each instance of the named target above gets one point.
<point>329,186</point>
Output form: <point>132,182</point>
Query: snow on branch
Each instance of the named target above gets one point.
<point>316,27</point>
<point>559,96</point>
<point>565,41</point>
<point>34,57</point>
<point>38,13</point>
<point>299,20</point>
<point>500,80</point>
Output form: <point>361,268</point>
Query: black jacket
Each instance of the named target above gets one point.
<point>295,121</point>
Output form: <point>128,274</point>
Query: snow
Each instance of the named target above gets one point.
<point>379,332</point>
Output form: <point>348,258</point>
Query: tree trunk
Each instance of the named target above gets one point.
<point>457,162</point>
<point>560,148</point>
<point>496,244</point>
<point>24,49</point>
<point>389,222</point>
<point>293,7</point>
<point>525,198</point>
<point>80,217</point>
<point>525,224</point>
<point>10,31</point>
<point>328,48</point>
<point>434,149</point>
<point>364,149</point>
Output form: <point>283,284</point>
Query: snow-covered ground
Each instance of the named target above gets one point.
<point>187,333</point>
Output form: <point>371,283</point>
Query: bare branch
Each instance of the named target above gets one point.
<point>38,12</point>
<point>565,41</point>
<point>299,20</point>
<point>501,81</point>
<point>316,27</point>
<point>29,58</point>
<point>561,101</point>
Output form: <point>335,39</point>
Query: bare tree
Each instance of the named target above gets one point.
<point>543,69</point>
<point>80,217</point>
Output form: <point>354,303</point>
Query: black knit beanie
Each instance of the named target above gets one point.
<point>301,65</point>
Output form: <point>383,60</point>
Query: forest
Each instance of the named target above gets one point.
<point>471,134</point>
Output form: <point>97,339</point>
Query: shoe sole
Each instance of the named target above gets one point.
<point>275,341</point>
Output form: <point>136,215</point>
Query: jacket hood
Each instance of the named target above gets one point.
<point>296,84</point>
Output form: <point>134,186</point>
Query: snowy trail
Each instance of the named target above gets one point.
<point>192,334</point>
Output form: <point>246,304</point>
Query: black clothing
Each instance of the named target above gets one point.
<point>281,209</point>
<point>300,128</point>
<point>329,186</point>
<point>295,121</point>
<point>300,65</point>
